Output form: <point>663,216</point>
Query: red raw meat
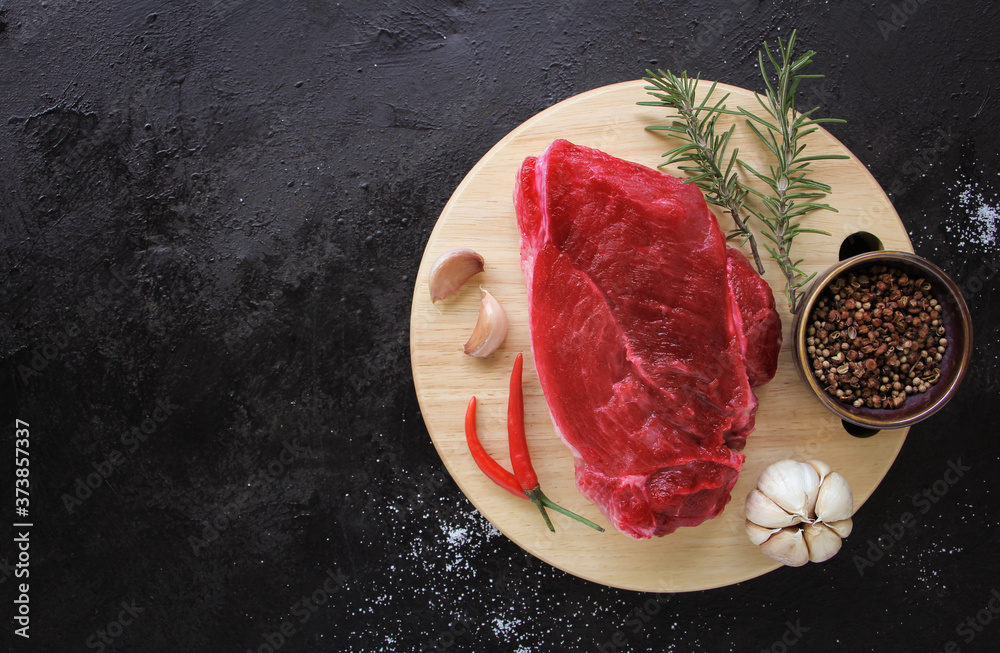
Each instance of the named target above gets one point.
<point>761,323</point>
<point>637,315</point>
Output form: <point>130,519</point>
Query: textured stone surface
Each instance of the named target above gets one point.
<point>212,214</point>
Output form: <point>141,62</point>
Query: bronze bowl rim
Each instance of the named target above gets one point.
<point>959,345</point>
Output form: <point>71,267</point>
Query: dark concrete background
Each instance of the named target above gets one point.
<point>212,214</point>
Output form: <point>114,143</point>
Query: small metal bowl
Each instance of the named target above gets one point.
<point>954,362</point>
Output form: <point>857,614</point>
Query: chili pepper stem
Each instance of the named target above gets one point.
<point>536,498</point>
<point>524,477</point>
<point>549,503</point>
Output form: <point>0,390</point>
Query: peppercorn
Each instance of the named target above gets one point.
<point>886,334</point>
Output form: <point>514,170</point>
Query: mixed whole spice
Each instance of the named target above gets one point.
<point>876,337</point>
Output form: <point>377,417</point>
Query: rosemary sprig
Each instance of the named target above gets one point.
<point>702,152</point>
<point>793,192</point>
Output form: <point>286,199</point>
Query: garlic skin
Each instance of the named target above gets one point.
<point>767,513</point>
<point>842,528</point>
<point>787,546</point>
<point>792,485</point>
<point>821,467</point>
<point>490,330</point>
<point>799,512</point>
<point>835,500</point>
<point>759,534</point>
<point>452,269</point>
<point>822,542</point>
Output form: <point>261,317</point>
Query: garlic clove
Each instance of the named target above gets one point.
<point>490,330</point>
<point>759,534</point>
<point>822,542</point>
<point>842,528</point>
<point>792,485</point>
<point>787,546</point>
<point>835,501</point>
<point>452,269</point>
<point>821,468</point>
<point>766,513</point>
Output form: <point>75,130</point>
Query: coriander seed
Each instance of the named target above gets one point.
<point>886,335</point>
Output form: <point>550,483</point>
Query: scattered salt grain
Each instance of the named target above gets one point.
<point>457,535</point>
<point>976,225</point>
<point>506,627</point>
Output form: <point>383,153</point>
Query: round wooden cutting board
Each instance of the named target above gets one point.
<point>791,423</point>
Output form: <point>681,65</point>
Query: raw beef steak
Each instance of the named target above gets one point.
<point>637,317</point>
<point>761,323</point>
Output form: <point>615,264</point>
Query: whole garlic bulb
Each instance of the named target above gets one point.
<point>799,512</point>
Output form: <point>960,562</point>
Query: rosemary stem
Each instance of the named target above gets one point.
<point>742,226</point>
<point>789,174</point>
<point>793,193</point>
<point>785,260</point>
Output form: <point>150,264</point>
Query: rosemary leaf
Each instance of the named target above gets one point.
<point>794,193</point>
<point>711,169</point>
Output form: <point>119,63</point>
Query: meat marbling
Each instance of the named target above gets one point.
<point>647,333</point>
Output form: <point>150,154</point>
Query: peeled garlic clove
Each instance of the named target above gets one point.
<point>821,468</point>
<point>759,534</point>
<point>787,546</point>
<point>835,501</point>
<point>764,512</point>
<point>451,270</point>
<point>822,542</point>
<point>792,485</point>
<point>842,528</point>
<point>491,328</point>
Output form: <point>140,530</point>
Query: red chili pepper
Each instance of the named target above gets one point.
<point>520,459</point>
<point>490,467</point>
<point>524,482</point>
